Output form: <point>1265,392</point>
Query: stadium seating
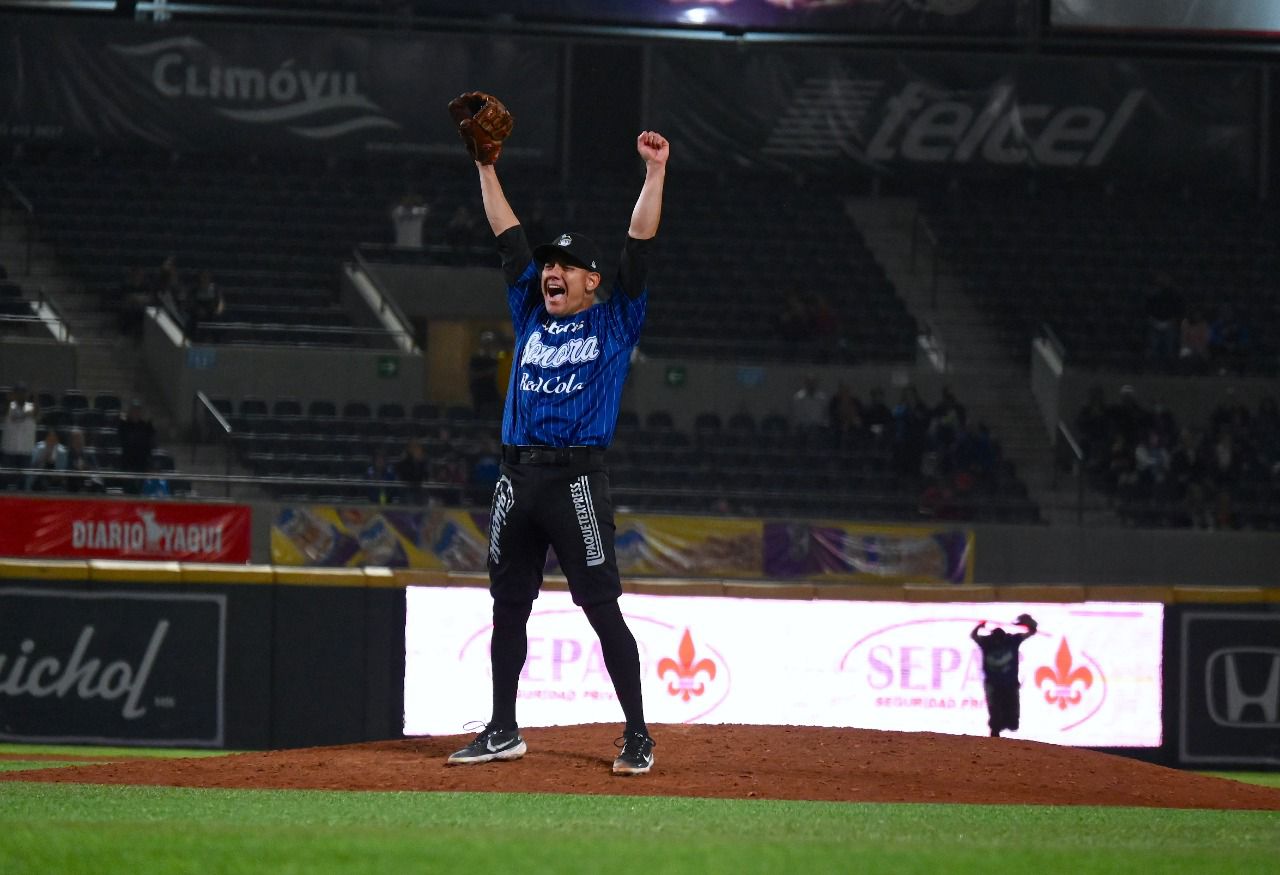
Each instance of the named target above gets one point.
<point>1083,263</point>
<point>655,466</point>
<point>97,414</point>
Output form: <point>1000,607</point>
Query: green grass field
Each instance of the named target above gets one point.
<point>73,829</point>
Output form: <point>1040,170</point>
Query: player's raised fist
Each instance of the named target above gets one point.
<point>653,147</point>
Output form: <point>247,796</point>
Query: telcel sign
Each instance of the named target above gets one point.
<point>1090,677</point>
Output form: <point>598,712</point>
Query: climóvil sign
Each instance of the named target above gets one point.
<point>1230,678</point>
<point>112,667</point>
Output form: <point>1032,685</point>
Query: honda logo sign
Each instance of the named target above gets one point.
<point>1235,702</point>
<point>1230,687</point>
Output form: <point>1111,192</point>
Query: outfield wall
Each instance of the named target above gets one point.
<point>249,657</point>
<point>170,654</point>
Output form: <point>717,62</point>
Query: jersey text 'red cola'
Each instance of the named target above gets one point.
<point>567,374</point>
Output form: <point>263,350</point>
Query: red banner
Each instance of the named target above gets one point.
<point>104,529</point>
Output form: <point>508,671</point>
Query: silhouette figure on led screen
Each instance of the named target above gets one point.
<point>1000,672</point>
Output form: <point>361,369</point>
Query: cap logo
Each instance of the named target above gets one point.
<point>565,240</point>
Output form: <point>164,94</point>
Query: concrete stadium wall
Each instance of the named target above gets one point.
<point>278,372</point>
<point>41,364</point>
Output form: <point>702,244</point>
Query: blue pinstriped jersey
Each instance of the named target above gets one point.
<point>567,376</point>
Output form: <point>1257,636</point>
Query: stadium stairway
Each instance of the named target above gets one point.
<point>974,355</point>
<point>107,361</point>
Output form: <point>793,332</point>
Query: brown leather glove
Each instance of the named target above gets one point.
<point>483,124</point>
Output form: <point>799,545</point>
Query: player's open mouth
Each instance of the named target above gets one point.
<point>553,290</point>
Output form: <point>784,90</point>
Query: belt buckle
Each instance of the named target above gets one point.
<point>532,456</point>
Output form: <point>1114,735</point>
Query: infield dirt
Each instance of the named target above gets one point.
<point>765,762</point>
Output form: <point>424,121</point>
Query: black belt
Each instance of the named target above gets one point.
<point>531,455</point>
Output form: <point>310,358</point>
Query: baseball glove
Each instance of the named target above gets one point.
<point>483,124</point>
<point>1028,621</point>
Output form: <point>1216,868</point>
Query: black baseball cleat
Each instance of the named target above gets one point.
<point>491,744</point>
<point>636,757</point>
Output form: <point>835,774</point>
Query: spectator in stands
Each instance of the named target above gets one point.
<point>1129,418</point>
<point>1194,349</point>
<point>946,419</point>
<point>157,484</point>
<point>170,291</point>
<point>795,323</point>
<point>19,437</point>
<point>1188,472</point>
<point>407,217</point>
<point>1165,423</point>
<point>825,322</point>
<point>137,435</point>
<point>486,468</point>
<point>1093,430</point>
<point>482,376</point>
<point>48,455</point>
<point>448,467</point>
<point>1118,473</point>
<point>1230,414</point>
<point>809,406</point>
<point>845,416</point>
<point>1225,462</point>
<point>133,296</point>
<point>1164,317</point>
<point>1229,340</point>
<point>1151,467</point>
<point>877,416</point>
<point>974,451</point>
<point>413,472</point>
<point>1266,432</point>
<point>462,231</point>
<point>82,458</point>
<point>910,432</point>
<point>381,475</point>
<point>206,305</point>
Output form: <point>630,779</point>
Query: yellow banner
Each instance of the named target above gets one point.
<point>646,545</point>
<point>442,540</point>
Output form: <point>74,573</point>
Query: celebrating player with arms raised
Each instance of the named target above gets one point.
<point>572,355</point>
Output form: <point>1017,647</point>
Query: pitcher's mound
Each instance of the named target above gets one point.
<point>767,762</point>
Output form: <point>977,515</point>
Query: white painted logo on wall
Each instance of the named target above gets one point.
<point>316,104</point>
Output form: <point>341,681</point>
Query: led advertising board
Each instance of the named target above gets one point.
<point>1091,677</point>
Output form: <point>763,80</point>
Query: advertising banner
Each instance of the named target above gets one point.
<point>1091,677</point>
<point>832,112</point>
<point>107,529</point>
<point>436,539</point>
<point>1258,18</point>
<point>266,90</point>
<point>867,553</point>
<point>112,667</point>
<point>841,16</point>
<point>646,545</point>
<point>1230,678</point>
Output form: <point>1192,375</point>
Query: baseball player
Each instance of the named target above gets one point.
<point>572,355</point>
<point>1000,672</point>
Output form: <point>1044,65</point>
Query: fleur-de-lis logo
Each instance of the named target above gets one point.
<point>686,683</point>
<point>1062,679</point>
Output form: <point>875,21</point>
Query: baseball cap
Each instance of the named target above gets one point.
<point>577,248</point>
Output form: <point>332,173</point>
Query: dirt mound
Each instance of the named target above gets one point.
<point>768,762</point>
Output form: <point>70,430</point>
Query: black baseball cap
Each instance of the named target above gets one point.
<point>577,248</point>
